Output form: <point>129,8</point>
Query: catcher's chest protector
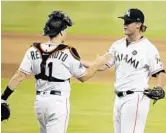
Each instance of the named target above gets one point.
<point>45,55</point>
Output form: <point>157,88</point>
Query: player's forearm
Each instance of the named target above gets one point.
<point>89,64</point>
<point>13,83</point>
<point>161,79</point>
<point>90,72</point>
<point>100,61</point>
<point>16,80</point>
<point>86,64</point>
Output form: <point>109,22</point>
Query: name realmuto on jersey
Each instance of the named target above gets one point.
<point>129,60</point>
<point>60,55</point>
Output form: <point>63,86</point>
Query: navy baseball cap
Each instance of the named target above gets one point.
<point>134,15</point>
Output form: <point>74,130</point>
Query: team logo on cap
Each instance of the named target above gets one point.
<point>128,13</point>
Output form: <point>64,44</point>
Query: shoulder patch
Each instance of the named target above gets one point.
<point>74,53</point>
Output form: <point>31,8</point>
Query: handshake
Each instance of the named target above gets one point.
<point>99,62</point>
<point>94,66</point>
<point>102,60</point>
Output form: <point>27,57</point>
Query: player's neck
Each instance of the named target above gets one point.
<point>56,41</point>
<point>134,37</point>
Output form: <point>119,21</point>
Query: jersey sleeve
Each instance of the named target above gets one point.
<point>111,62</point>
<point>155,63</point>
<point>77,69</point>
<point>26,66</point>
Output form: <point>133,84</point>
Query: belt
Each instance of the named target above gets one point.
<point>124,93</point>
<point>53,92</point>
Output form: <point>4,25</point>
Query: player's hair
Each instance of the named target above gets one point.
<point>143,28</point>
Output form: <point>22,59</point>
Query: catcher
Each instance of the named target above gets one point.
<point>53,64</point>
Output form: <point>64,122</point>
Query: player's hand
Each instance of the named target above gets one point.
<point>101,60</point>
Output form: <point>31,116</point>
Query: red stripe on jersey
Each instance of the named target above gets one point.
<point>136,115</point>
<point>26,72</point>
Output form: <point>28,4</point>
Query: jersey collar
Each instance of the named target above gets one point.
<point>128,43</point>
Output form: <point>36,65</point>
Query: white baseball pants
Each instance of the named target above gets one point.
<point>130,113</point>
<point>52,112</point>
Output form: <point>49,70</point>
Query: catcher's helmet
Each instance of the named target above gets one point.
<point>56,22</point>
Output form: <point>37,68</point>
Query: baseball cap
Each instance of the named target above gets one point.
<point>134,15</point>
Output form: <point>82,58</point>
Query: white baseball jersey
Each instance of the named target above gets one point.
<point>61,65</point>
<point>134,64</point>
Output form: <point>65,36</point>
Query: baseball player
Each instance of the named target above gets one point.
<point>135,59</point>
<point>52,64</point>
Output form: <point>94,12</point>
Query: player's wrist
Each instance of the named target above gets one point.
<point>6,93</point>
<point>96,65</point>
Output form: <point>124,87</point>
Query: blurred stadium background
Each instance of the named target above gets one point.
<point>96,27</point>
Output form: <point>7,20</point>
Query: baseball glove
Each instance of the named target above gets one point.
<point>155,94</point>
<point>5,111</point>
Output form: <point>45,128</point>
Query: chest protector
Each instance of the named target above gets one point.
<point>45,55</point>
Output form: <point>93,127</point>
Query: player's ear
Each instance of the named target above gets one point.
<point>138,25</point>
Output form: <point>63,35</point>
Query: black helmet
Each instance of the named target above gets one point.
<point>56,22</point>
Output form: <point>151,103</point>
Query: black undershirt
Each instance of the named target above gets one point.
<point>128,43</point>
<point>155,74</point>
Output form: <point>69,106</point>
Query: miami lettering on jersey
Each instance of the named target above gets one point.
<point>129,60</point>
<point>134,64</point>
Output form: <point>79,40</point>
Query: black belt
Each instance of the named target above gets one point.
<point>124,93</point>
<point>53,92</point>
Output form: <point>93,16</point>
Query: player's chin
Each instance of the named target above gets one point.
<point>126,32</point>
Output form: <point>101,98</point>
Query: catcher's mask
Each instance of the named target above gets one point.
<point>56,22</point>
